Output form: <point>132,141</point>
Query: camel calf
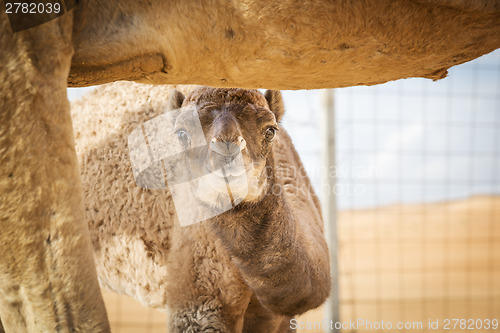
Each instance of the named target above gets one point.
<point>252,267</point>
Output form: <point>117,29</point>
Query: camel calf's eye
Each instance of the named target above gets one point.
<point>270,133</point>
<point>183,137</point>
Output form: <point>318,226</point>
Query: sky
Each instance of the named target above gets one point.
<point>406,141</point>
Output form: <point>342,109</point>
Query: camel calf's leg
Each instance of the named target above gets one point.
<point>260,319</point>
<point>205,292</point>
<point>48,281</point>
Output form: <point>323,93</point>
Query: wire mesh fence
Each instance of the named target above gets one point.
<point>418,185</point>
<point>419,237</point>
<point>418,179</point>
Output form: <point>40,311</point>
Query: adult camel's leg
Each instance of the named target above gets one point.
<point>47,275</point>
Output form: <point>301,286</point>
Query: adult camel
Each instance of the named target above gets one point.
<point>47,276</point>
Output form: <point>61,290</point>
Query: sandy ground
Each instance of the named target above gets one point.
<point>407,263</point>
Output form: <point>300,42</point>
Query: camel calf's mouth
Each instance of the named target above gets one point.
<point>230,170</point>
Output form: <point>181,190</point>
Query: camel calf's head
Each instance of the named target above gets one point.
<point>229,154</point>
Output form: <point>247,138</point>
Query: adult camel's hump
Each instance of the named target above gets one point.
<point>281,44</point>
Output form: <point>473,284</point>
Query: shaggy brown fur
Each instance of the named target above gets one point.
<point>250,268</point>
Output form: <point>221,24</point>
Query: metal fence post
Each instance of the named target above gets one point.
<point>329,204</point>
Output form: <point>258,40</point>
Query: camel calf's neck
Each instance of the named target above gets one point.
<point>272,246</point>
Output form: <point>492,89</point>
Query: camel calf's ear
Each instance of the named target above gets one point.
<point>275,102</point>
<point>175,99</point>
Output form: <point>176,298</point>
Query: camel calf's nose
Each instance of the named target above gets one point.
<point>228,148</point>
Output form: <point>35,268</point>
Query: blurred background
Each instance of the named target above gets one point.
<point>417,198</point>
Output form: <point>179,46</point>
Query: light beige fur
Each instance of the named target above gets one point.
<point>247,43</point>
<point>282,44</point>
<point>47,277</point>
<point>204,282</point>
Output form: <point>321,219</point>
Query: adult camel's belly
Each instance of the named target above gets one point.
<point>280,44</point>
